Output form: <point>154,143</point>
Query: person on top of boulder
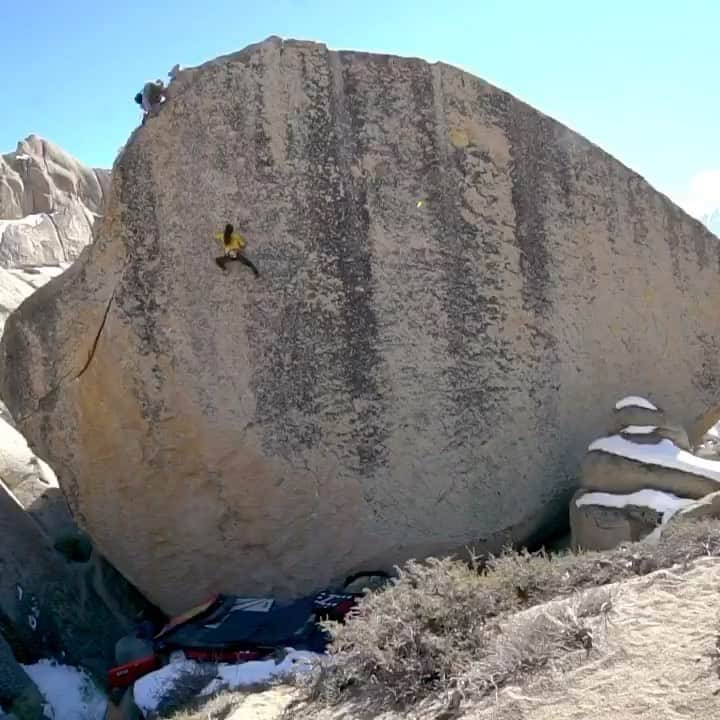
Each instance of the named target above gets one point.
<point>233,244</point>
<point>152,96</point>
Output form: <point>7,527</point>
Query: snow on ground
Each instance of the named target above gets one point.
<point>639,429</point>
<point>634,401</point>
<point>665,453</point>
<point>260,671</point>
<point>150,690</point>
<point>70,692</point>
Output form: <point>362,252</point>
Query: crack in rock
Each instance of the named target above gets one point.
<point>59,236</point>
<point>85,366</point>
<point>97,336</point>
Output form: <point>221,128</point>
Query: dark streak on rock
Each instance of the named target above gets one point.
<point>528,137</point>
<point>468,252</point>
<point>539,174</point>
<point>263,152</point>
<point>707,377</point>
<point>701,242</point>
<point>349,240</point>
<point>671,238</point>
<point>640,231</point>
<point>290,362</point>
<point>318,345</point>
<point>136,294</point>
<point>236,113</point>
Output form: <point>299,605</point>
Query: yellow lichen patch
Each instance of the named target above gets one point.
<point>459,138</point>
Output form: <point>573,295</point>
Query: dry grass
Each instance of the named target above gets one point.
<point>217,707</point>
<point>184,694</point>
<point>447,626</point>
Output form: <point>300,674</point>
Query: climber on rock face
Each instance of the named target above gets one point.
<point>152,96</point>
<point>233,244</point>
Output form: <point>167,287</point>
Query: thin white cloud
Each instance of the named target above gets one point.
<point>702,195</point>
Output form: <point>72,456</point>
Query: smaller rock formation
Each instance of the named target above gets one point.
<point>16,284</point>
<point>705,508</point>
<point>49,204</point>
<point>709,444</point>
<point>32,482</point>
<point>636,479</point>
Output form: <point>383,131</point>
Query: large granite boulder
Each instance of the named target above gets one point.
<point>352,407</point>
<point>49,204</point>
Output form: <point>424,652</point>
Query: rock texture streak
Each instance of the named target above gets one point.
<point>402,379</point>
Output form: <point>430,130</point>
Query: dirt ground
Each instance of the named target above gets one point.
<point>653,659</point>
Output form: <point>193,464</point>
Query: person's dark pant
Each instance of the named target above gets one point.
<point>225,259</point>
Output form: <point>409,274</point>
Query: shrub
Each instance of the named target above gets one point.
<point>443,624</point>
<point>185,689</point>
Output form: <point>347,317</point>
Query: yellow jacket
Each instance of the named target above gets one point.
<point>237,242</point>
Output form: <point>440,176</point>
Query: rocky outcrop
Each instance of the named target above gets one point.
<point>50,569</point>
<point>705,508</point>
<point>352,407</point>
<point>32,483</point>
<point>49,204</point>
<point>55,605</point>
<point>635,481</point>
<point>27,477</point>
<point>40,177</point>
<point>58,596</point>
<point>709,444</point>
<point>19,283</point>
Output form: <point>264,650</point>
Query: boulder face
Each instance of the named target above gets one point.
<point>364,400</point>
<point>49,204</point>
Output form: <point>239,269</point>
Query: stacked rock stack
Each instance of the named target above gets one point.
<point>634,480</point>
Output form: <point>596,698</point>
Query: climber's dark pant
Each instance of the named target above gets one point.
<point>224,259</point>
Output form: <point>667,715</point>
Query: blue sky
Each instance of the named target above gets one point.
<point>638,77</point>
